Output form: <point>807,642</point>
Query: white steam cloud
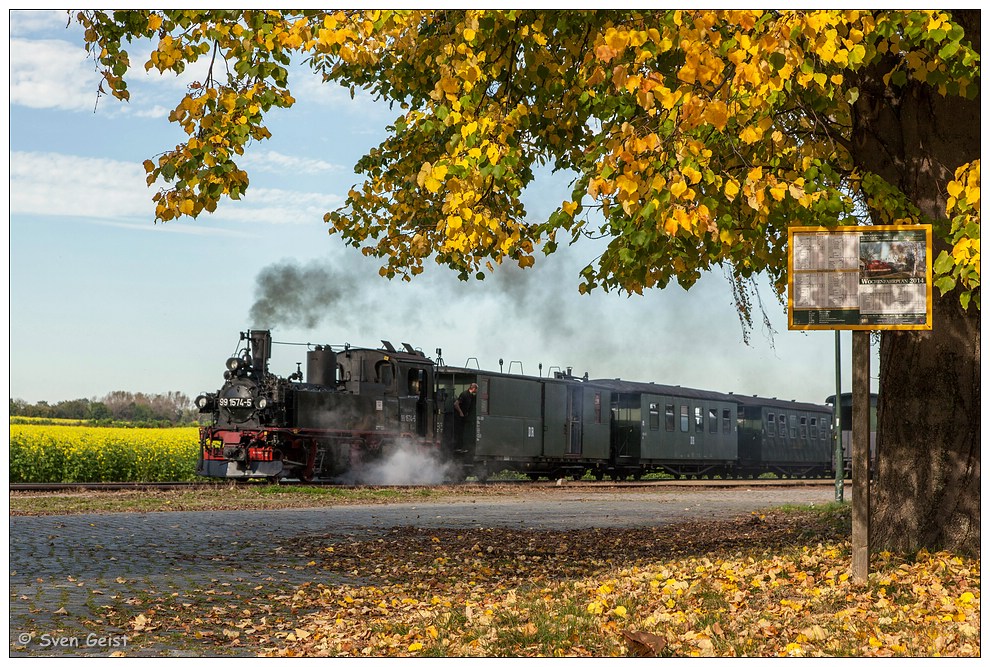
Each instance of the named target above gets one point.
<point>403,464</point>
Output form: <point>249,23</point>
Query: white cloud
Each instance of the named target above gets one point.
<point>26,21</point>
<point>51,74</point>
<point>53,184</point>
<point>309,88</point>
<point>276,206</point>
<point>154,112</point>
<point>59,74</point>
<point>274,161</point>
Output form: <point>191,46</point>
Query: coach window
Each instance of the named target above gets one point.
<point>794,428</point>
<point>713,420</point>
<point>669,416</point>
<point>814,428</point>
<point>699,420</point>
<point>782,426</point>
<point>654,416</point>
<point>685,420</point>
<point>726,421</point>
<point>771,424</point>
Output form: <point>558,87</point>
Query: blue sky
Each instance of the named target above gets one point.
<point>103,299</point>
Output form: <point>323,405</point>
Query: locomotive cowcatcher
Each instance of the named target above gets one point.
<point>354,406</point>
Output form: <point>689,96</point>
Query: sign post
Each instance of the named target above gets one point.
<point>861,457</point>
<point>861,278</point>
<point>838,455</point>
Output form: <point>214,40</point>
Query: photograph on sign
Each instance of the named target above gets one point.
<point>870,277</point>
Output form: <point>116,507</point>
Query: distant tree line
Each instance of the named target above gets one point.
<point>172,408</point>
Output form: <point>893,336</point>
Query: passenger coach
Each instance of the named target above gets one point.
<point>663,428</point>
<point>540,426</point>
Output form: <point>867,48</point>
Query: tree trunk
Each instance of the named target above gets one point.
<point>927,485</point>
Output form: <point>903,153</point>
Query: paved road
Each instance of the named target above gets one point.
<point>63,569</point>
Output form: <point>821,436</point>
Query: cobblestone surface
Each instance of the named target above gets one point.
<point>65,571</point>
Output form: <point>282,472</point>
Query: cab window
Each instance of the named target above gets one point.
<point>384,373</point>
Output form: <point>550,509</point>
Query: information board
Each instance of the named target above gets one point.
<point>869,277</point>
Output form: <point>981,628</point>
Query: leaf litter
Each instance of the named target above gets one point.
<point>765,585</point>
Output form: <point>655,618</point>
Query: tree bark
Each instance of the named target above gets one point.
<point>927,484</point>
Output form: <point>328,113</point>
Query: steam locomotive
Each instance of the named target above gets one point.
<point>354,408</point>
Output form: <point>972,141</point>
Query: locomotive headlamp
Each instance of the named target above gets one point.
<point>262,403</point>
<point>233,364</point>
<point>203,401</point>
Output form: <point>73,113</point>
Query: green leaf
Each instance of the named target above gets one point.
<point>948,50</point>
<point>944,263</point>
<point>945,284</point>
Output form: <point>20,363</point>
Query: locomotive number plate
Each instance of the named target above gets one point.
<point>236,402</point>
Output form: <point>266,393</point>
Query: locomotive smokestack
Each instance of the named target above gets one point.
<point>261,349</point>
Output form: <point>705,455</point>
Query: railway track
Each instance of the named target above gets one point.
<point>173,486</point>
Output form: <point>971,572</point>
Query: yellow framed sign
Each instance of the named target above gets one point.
<point>870,277</point>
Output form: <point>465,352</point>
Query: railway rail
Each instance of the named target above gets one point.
<point>170,486</point>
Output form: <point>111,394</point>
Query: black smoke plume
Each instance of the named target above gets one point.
<point>302,296</point>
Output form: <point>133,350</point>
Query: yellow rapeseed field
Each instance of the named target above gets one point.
<point>57,453</point>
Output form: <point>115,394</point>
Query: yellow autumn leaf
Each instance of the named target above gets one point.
<point>692,174</point>
<point>415,646</point>
<point>627,184</point>
<point>492,154</point>
<point>751,134</point>
<point>717,115</point>
<point>450,85</point>
<point>731,189</point>
<point>677,188</point>
<point>973,196</point>
<point>424,171</point>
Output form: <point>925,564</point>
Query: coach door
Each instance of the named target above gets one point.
<point>575,419</point>
<point>563,410</point>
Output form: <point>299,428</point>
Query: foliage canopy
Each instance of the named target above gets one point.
<point>696,137</point>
